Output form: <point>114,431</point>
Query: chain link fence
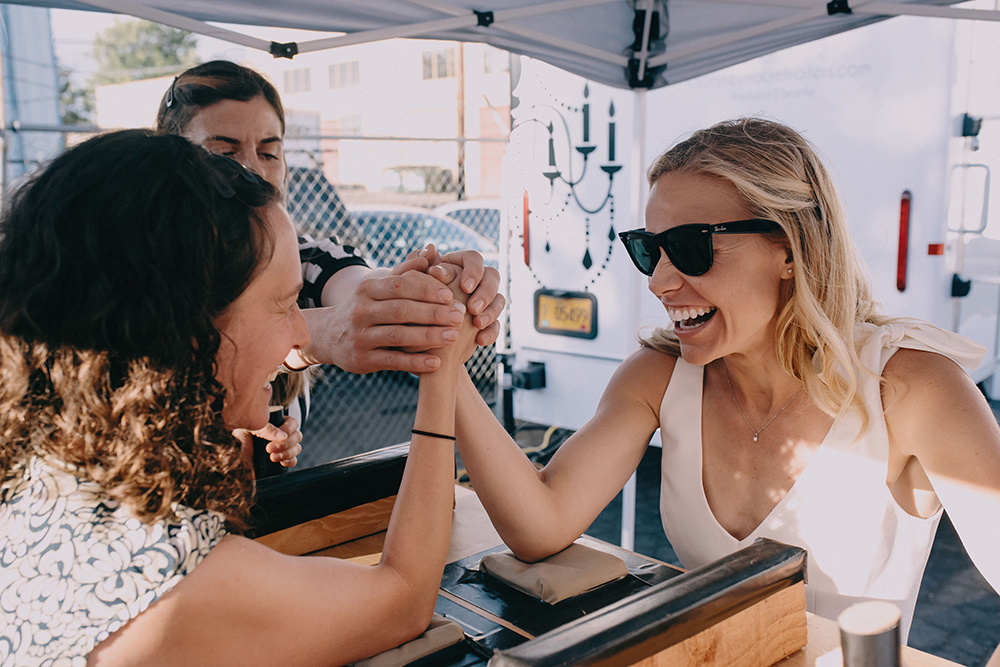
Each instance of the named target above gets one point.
<point>409,207</point>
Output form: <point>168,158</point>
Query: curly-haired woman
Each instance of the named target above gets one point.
<point>147,299</point>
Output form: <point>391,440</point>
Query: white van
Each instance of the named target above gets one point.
<point>905,112</point>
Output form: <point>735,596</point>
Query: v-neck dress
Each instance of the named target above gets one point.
<point>861,544</point>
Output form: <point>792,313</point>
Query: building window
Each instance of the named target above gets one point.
<point>298,81</point>
<point>495,60</point>
<point>439,64</point>
<point>345,75</point>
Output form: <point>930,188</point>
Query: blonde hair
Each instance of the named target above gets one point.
<point>781,178</point>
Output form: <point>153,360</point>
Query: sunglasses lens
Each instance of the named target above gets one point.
<point>690,249</point>
<point>644,253</point>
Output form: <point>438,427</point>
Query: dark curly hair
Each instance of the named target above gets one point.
<point>115,262</point>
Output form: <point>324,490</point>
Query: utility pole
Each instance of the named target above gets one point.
<point>460,73</point>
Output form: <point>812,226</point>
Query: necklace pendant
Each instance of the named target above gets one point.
<point>755,437</point>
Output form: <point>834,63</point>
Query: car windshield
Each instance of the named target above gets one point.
<point>485,221</point>
<point>391,235</point>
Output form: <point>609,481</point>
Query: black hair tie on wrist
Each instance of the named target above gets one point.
<point>432,435</point>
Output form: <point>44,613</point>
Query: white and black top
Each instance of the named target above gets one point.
<point>75,566</point>
<point>320,260</point>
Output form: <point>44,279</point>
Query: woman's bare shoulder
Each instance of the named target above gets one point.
<point>645,374</point>
<point>647,361</point>
<point>919,375</point>
<point>926,396</point>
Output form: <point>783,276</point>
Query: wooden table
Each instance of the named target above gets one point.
<point>472,533</point>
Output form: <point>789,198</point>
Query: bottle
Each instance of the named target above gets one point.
<point>869,635</point>
<point>263,466</point>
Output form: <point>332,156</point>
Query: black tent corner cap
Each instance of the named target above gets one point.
<point>485,18</point>
<point>838,7</point>
<point>649,78</point>
<point>960,287</point>
<point>288,50</point>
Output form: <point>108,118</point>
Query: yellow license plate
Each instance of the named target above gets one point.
<point>566,313</point>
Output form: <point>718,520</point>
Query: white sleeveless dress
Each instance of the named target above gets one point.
<point>861,545</point>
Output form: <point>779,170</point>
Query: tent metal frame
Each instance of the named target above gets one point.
<point>639,62</point>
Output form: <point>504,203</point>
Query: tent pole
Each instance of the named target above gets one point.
<point>637,197</point>
<point>897,9</point>
<point>817,11</point>
<point>466,19</point>
<point>885,9</point>
<point>564,44</point>
<point>180,22</point>
<point>643,54</point>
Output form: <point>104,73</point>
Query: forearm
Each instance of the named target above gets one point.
<point>328,328</point>
<point>329,325</point>
<point>522,506</point>
<point>420,527</point>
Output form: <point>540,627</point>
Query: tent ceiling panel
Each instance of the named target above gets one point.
<point>593,38</point>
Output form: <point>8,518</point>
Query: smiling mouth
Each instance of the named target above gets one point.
<point>685,319</point>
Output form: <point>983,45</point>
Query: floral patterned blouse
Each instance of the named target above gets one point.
<point>75,566</point>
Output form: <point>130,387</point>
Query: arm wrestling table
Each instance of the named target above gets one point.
<point>342,510</point>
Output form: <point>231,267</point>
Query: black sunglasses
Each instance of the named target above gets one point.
<point>688,247</point>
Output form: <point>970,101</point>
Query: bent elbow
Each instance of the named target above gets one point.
<point>413,613</point>
<point>532,552</point>
<point>418,619</point>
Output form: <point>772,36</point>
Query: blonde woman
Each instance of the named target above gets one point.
<point>788,406</point>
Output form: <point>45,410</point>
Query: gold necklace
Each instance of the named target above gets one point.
<point>756,431</point>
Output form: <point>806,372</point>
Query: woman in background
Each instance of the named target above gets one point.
<point>361,320</point>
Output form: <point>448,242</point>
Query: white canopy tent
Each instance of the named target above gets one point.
<point>623,43</point>
<point>628,44</point>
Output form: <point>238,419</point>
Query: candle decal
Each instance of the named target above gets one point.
<point>552,148</point>
<point>586,115</point>
<point>611,134</point>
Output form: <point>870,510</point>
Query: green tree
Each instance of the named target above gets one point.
<point>137,49</point>
<point>76,105</point>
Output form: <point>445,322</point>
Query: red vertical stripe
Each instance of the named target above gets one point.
<point>904,240</point>
<point>524,239</point>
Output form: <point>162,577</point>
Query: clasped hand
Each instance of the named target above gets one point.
<point>400,319</point>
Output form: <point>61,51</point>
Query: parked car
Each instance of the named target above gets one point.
<point>480,215</point>
<point>392,232</point>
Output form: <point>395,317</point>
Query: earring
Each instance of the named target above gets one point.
<point>789,270</point>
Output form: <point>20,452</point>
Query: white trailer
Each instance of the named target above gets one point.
<point>886,105</point>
